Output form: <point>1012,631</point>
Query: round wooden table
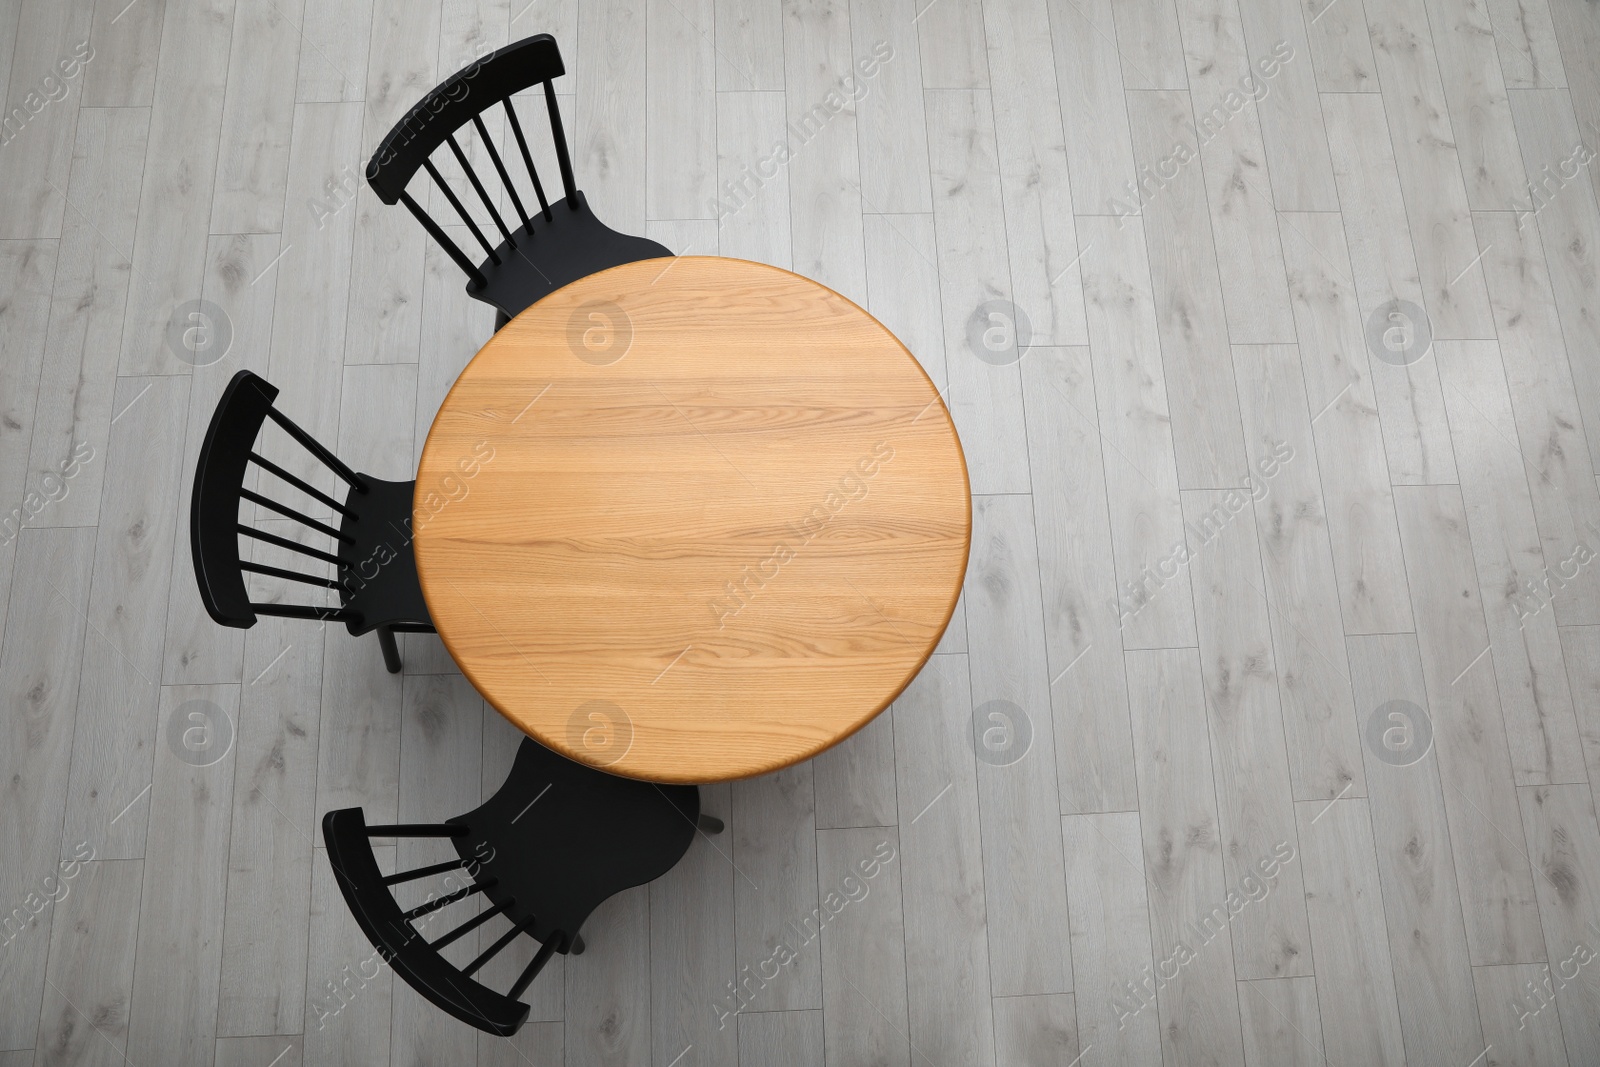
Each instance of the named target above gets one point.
<point>692,519</point>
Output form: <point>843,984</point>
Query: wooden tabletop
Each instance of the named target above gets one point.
<point>692,520</point>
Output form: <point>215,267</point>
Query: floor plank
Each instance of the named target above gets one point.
<point>1088,692</point>
<point>608,987</point>
<point>1014,738</point>
<point>824,165</point>
<point>749,45</point>
<point>1416,861</point>
<point>864,1016</point>
<point>1188,297</point>
<point>946,926</point>
<point>1544,403</point>
<point>782,1038</point>
<point>886,85</point>
<point>1519,1023</point>
<point>1281,77</point>
<point>774,855</point>
<point>39,667</point>
<point>31,180</point>
<point>1109,898</point>
<point>1577,33</point>
<point>1547,130</point>
<point>1235,163</point>
<point>119,733</point>
<point>681,116</point>
<point>248,1051</point>
<point>692,949</point>
<point>951,39</point>
<point>1355,985</point>
<point>1345,422</point>
<point>1154,608</point>
<point>180,165</point>
<point>1464,40</point>
<point>271,846</point>
<point>1147,36</point>
<point>386,250</point>
<point>1564,845</point>
<point>257,118</point>
<point>1040,234</point>
<point>1279,1017</point>
<point>982,319</point>
<point>1341,50</point>
<point>127,45</point>
<point>1474,761</point>
<point>1089,72</point>
<point>173,1013</point>
<point>349,988</point>
<point>753,216</point>
<point>1541,728</point>
<point>1037,1031</point>
<point>1404,378</point>
<point>1249,756</point>
<point>72,417</point>
<point>903,286</point>
<point>1430,170</point>
<point>1580,649</point>
<point>608,133</point>
<point>84,1019</point>
<point>1198,1006</point>
<point>1525,41</point>
<point>854,780</point>
<point>26,271</point>
<point>1297,568</point>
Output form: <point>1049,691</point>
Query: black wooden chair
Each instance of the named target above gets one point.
<point>377,572</point>
<point>549,847</point>
<point>563,242</point>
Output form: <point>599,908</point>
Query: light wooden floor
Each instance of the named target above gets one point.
<point>1225,516</point>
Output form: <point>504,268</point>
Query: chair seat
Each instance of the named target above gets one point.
<point>581,836</point>
<point>571,245</point>
<point>380,578</point>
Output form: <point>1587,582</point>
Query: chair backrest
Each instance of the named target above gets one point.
<point>555,840</point>
<point>462,99</point>
<point>421,962</point>
<point>219,489</point>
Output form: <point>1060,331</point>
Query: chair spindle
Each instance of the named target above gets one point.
<point>467,927</point>
<point>291,513</point>
<point>560,138</point>
<point>445,901</point>
<point>284,542</point>
<point>423,872</point>
<point>546,950</point>
<point>527,159</point>
<point>494,950</point>
<point>500,168</point>
<point>312,445</point>
<point>455,202</point>
<point>305,487</point>
<point>469,268</point>
<point>472,176</point>
<point>292,576</point>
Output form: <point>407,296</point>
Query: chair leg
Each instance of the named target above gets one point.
<point>577,946</point>
<point>391,650</point>
<point>499,320</point>
<point>710,823</point>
